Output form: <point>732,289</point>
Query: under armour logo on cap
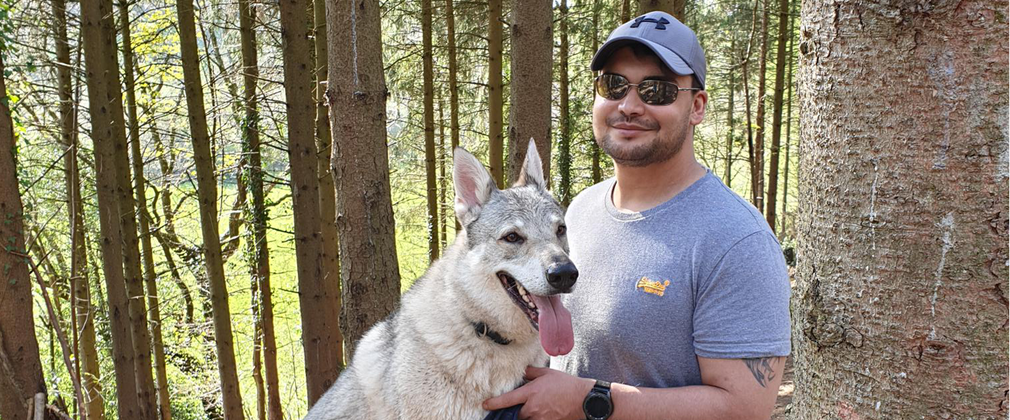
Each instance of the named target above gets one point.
<point>660,23</point>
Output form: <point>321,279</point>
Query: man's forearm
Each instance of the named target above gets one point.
<point>689,402</point>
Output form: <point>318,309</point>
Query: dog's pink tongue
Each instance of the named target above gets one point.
<point>555,325</point>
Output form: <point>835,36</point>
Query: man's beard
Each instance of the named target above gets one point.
<point>659,149</point>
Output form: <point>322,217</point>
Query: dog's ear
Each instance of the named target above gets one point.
<point>473,185</point>
<point>532,172</point>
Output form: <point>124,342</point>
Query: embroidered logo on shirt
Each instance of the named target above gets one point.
<point>654,287</point>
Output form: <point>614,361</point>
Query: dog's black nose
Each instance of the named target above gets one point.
<point>562,276</point>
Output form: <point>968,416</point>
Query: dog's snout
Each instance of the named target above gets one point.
<point>562,276</point>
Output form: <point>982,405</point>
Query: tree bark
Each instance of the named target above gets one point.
<point>429,130</point>
<point>673,7</point>
<point>450,23</point>
<point>789,120</point>
<point>20,367</point>
<point>594,148</point>
<point>83,314</point>
<point>321,364</point>
<point>728,173</point>
<point>565,145</point>
<point>369,273</point>
<point>258,218</point>
<point>900,308</point>
<point>104,93</point>
<point>154,397</point>
<point>780,73</point>
<point>327,199</point>
<point>530,105</point>
<point>758,156</point>
<point>495,92</point>
<point>207,191</point>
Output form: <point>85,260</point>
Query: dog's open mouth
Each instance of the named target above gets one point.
<point>546,314</point>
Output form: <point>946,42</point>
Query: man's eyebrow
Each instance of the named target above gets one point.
<point>659,77</point>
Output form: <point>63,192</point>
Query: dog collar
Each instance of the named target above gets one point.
<point>483,330</point>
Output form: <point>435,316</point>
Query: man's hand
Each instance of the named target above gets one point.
<point>550,395</point>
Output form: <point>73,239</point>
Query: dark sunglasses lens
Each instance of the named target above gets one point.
<point>656,92</point>
<point>611,86</point>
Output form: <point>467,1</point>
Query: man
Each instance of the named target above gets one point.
<point>683,299</point>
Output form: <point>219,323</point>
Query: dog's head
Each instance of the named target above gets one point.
<point>516,247</point>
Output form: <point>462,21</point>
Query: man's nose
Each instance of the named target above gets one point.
<point>562,276</point>
<point>631,105</point>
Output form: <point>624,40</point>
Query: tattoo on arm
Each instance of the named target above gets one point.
<point>762,368</point>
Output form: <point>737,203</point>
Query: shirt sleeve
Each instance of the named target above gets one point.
<point>742,307</point>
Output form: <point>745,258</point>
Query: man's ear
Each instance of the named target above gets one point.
<point>532,172</point>
<point>473,183</point>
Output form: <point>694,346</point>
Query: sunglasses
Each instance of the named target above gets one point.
<point>652,92</point>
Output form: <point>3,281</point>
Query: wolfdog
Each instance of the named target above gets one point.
<point>467,328</point>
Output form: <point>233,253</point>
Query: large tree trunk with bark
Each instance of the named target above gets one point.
<point>369,273</point>
<point>257,215</point>
<point>104,93</point>
<point>495,93</point>
<point>207,192</point>
<point>530,105</point>
<point>900,307</point>
<point>20,367</point>
<point>673,7</point>
<point>85,350</point>
<point>321,364</point>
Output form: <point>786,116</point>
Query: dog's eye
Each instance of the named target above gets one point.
<point>561,230</point>
<point>513,238</point>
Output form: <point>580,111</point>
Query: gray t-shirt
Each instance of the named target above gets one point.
<point>701,274</point>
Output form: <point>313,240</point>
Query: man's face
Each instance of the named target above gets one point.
<point>634,133</point>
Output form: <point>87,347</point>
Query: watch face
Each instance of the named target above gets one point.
<point>597,406</point>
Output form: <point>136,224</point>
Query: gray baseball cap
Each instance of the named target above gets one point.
<point>672,41</point>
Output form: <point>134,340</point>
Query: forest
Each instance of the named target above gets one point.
<point>206,203</point>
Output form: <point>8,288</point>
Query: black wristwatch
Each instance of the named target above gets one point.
<point>598,405</point>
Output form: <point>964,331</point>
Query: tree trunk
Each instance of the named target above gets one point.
<point>104,93</point>
<point>321,364</point>
<point>900,307</point>
<point>673,7</point>
<point>594,148</point>
<point>443,206</point>
<point>758,161</point>
<point>327,201</point>
<point>789,120</point>
<point>450,23</point>
<point>86,354</point>
<point>728,174</point>
<point>495,89</point>
<point>429,131</point>
<point>565,146</point>
<point>153,396</point>
<point>20,367</point>
<point>625,14</point>
<point>369,273</point>
<point>260,262</point>
<point>780,73</point>
<point>207,191</point>
<point>745,73</point>
<point>530,104</point>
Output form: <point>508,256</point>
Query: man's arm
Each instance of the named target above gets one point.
<point>732,389</point>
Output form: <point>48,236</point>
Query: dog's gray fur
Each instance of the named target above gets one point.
<point>426,361</point>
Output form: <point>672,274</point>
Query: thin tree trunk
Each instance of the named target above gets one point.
<point>258,219</point>
<point>369,273</point>
<point>429,130</point>
<point>673,7</point>
<point>159,392</point>
<point>207,191</point>
<point>758,164</point>
<point>728,174</point>
<point>104,93</point>
<point>789,120</point>
<point>625,14</point>
<point>594,148</point>
<point>450,23</point>
<point>530,103</point>
<point>327,200</point>
<point>321,364</point>
<point>83,315</point>
<point>780,70</point>
<point>565,146</point>
<point>745,70</point>
<point>900,304</point>
<point>442,180</point>
<point>495,89</point>
<point>20,367</point>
